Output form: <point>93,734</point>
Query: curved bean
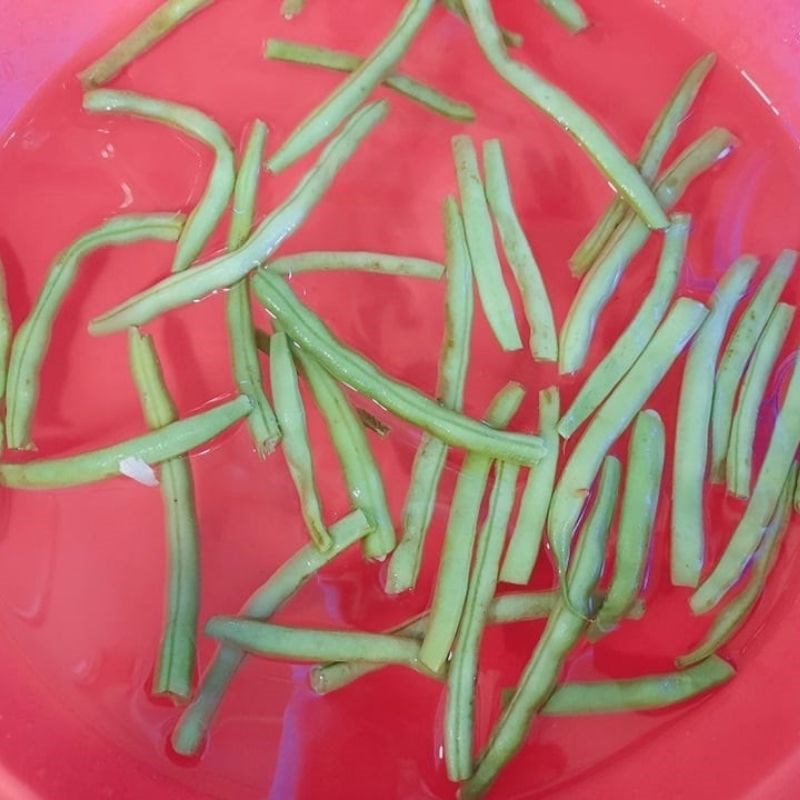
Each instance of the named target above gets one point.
<point>380,263</point>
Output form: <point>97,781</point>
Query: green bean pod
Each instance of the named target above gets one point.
<point>153,448</point>
<point>356,88</point>
<point>568,13</point>
<point>282,585</point>
<point>613,417</point>
<point>535,300</point>
<point>558,105</point>
<point>33,337</point>
<point>431,456</point>
<point>296,53</point>
<point>601,281</point>
<point>564,629</point>
<point>454,567</point>
<point>694,416</point>
<point>492,290</point>
<point>656,145</point>
<point>207,213</point>
<point>628,347</point>
<point>637,517</point>
<point>380,263</point>
<point>296,446</point>
<point>737,355</point>
<point>774,470</point>
<point>523,548</point>
<point>223,272</point>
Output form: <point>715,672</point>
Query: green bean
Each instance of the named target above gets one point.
<point>638,694</point>
<point>492,291</point>
<point>694,416</point>
<point>656,145</point>
<point>602,280</point>
<point>168,16</point>
<point>575,121</point>
<point>737,355</point>
<point>454,567</point>
<point>246,365</point>
<point>207,213</point>
<point>568,13</point>
<point>33,337</point>
<point>310,333</point>
<point>539,312</point>
<point>304,644</point>
<point>564,629</point>
<point>774,469</point>
<point>361,472</point>
<point>177,660</point>
<point>431,456</point>
<point>460,706</point>
<point>284,583</point>
<point>613,418</point>
<point>291,8</point>
<point>743,433</point>
<point>311,55</point>
<point>153,448</point>
<point>510,38</point>
<point>227,270</point>
<point>380,263</point>
<point>637,517</point>
<point>296,447</point>
<point>349,95</point>
<point>523,549</point>
<point>735,614</point>
<point>628,347</point>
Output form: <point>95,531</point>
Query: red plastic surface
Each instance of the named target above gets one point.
<point>81,571</point>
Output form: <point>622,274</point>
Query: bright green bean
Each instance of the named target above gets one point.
<point>737,355</point>
<point>33,337</point>
<point>244,354</point>
<point>296,446</point>
<point>223,272</point>
<point>535,300</point>
<point>492,290</point>
<point>311,55</point>
<point>168,16</point>
<point>613,418</point>
<point>638,694</point>
<point>564,629</point>
<point>735,614</point>
<point>207,213</point>
<point>431,456</point>
<point>639,505</point>
<point>774,470</point>
<point>304,644</point>
<point>380,263</point>
<point>523,549</point>
<point>284,583</point>
<point>463,672</point>
<point>153,448</point>
<point>743,432</point>
<point>656,145</point>
<point>177,659</point>
<point>568,13</point>
<point>454,566</point>
<point>602,280</point>
<point>558,105</point>
<point>360,469</point>
<point>356,88</point>
<point>690,460</point>
<point>310,333</point>
<point>628,347</point>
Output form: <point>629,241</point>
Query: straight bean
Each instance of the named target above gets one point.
<point>355,89</point>
<point>380,263</point>
<point>227,270</point>
<point>694,417</point>
<point>32,340</point>
<point>568,13</point>
<point>208,212</point>
<point>282,585</point>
